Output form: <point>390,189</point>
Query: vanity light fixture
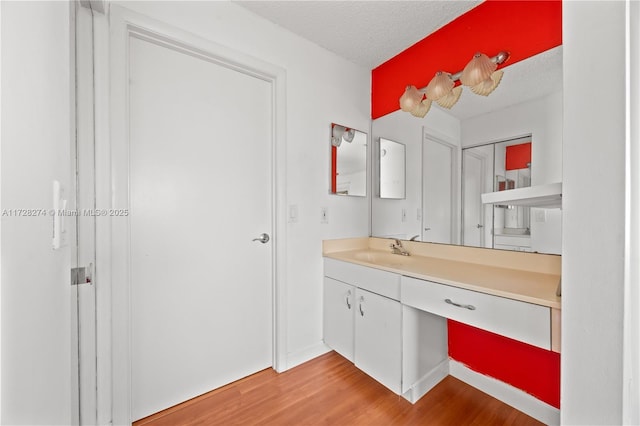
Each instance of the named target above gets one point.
<point>349,134</point>
<point>340,133</point>
<point>479,74</point>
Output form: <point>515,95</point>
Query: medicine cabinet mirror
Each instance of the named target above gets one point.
<point>392,173</point>
<point>348,161</point>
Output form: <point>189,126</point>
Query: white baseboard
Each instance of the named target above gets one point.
<point>306,354</point>
<point>506,393</point>
<point>427,382</point>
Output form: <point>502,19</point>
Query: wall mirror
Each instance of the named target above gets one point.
<point>391,156</point>
<point>453,155</point>
<point>348,161</point>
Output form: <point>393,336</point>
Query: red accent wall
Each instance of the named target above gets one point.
<point>534,370</point>
<point>518,156</point>
<point>523,28</point>
<point>334,169</point>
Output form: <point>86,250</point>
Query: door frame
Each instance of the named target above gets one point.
<point>112,175</point>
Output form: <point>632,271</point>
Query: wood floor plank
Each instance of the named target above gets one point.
<point>329,390</point>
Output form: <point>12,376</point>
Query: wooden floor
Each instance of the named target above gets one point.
<point>329,390</point>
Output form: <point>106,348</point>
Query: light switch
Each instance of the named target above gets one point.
<point>293,213</point>
<point>404,215</point>
<point>541,215</point>
<point>324,215</point>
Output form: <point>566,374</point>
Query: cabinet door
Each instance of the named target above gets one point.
<point>338,316</point>
<point>378,337</point>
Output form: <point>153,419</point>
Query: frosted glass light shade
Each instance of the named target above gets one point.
<point>336,134</point>
<point>450,100</point>
<point>477,70</point>
<point>422,109</point>
<point>439,86</point>
<point>349,135</point>
<point>489,85</point>
<point>410,99</point>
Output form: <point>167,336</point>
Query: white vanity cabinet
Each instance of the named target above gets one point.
<point>378,338</point>
<point>338,316</point>
<point>363,319</point>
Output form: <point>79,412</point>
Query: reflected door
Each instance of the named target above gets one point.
<point>437,197</point>
<point>472,217</point>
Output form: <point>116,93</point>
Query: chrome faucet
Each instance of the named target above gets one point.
<point>396,248</point>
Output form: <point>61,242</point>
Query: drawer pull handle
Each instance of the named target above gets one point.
<point>470,307</point>
<point>360,306</point>
<point>347,299</point>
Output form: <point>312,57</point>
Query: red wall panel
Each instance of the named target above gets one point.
<point>523,28</point>
<point>518,156</point>
<point>534,370</point>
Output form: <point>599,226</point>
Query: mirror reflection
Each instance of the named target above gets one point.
<point>348,161</point>
<point>392,169</point>
<point>493,167</point>
<point>453,156</point>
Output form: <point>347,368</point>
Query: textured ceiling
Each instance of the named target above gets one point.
<point>369,33</point>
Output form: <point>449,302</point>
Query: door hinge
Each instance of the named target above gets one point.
<point>81,275</point>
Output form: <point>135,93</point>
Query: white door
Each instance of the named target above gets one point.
<point>472,210</point>
<point>437,186</point>
<point>200,147</point>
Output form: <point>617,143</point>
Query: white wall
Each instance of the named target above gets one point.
<point>593,214</point>
<point>399,126</point>
<point>36,140</point>
<point>631,401</point>
<point>542,118</point>
<point>321,89</point>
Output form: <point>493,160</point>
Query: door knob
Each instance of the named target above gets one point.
<point>263,238</point>
<point>480,226</point>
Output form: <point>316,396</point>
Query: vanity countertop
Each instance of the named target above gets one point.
<point>528,277</point>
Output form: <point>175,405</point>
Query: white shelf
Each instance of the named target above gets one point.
<point>542,196</point>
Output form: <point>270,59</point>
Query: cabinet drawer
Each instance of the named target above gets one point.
<point>375,280</point>
<point>521,321</point>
